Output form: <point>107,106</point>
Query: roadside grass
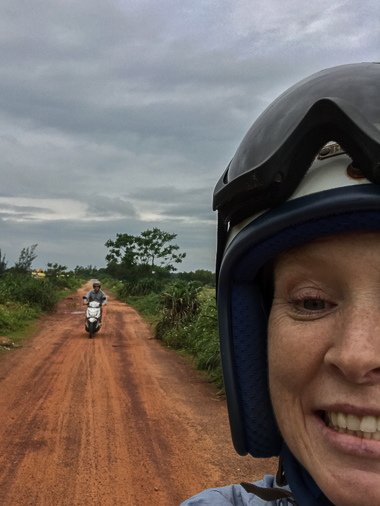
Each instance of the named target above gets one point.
<point>15,339</point>
<point>184,318</point>
<point>199,338</point>
<point>23,301</point>
<point>148,306</point>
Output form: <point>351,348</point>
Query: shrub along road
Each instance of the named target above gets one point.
<point>116,420</point>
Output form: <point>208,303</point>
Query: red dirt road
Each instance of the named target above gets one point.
<point>116,420</point>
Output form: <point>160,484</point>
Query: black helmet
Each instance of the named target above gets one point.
<point>96,283</point>
<point>308,167</point>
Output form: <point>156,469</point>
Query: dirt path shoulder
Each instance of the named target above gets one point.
<point>116,420</point>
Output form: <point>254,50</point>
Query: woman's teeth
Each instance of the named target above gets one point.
<point>367,427</point>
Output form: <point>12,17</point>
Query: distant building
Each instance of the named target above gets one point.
<point>38,273</point>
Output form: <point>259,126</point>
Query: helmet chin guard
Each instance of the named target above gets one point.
<point>275,196</point>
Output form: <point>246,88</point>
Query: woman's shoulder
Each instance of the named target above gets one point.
<point>233,495</point>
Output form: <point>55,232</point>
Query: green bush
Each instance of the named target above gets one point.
<point>112,285</point>
<point>25,289</point>
<point>189,323</point>
<point>149,305</point>
<point>23,298</point>
<point>179,305</point>
<point>199,337</point>
<point>184,317</point>
<point>16,317</point>
<point>144,286</point>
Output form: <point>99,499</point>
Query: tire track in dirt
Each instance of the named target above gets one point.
<point>116,420</point>
<point>149,437</point>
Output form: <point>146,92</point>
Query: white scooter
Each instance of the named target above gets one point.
<point>93,314</point>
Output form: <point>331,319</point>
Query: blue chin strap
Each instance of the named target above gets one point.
<point>243,312</point>
<point>302,485</point>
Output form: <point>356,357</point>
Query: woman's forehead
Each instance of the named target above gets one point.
<point>349,244</point>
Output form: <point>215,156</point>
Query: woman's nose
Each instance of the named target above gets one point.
<point>355,347</point>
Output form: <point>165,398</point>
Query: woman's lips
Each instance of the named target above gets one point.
<point>356,443</point>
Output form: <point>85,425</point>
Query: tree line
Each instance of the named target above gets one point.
<point>23,298</point>
<point>133,259</point>
<point>145,262</point>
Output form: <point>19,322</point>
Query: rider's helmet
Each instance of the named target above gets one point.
<point>308,167</point>
<point>96,283</point>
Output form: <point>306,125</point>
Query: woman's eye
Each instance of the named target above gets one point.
<point>314,304</point>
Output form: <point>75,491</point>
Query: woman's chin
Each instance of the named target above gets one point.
<point>352,489</point>
<point>345,467</point>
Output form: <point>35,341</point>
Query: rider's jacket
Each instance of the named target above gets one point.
<point>235,495</point>
<point>92,295</point>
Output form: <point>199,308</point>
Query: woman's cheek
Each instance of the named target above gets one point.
<point>291,353</point>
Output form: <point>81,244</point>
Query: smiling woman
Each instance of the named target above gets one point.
<point>326,399</point>
<point>298,294</point>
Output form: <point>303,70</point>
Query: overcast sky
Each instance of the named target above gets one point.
<point>121,115</point>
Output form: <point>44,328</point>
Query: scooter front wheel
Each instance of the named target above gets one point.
<point>91,330</point>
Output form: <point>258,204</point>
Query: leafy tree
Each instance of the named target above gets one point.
<point>150,254</point>
<point>155,249</point>
<point>3,263</point>
<point>87,272</point>
<point>55,270</point>
<point>26,258</point>
<point>205,277</point>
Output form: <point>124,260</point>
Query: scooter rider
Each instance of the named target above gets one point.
<point>96,294</point>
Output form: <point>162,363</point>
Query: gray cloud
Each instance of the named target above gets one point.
<point>106,206</point>
<point>136,107</point>
<point>14,209</point>
<point>172,202</point>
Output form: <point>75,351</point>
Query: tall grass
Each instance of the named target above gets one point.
<point>23,298</point>
<point>179,305</point>
<point>198,337</point>
<point>24,289</point>
<point>183,316</point>
<point>14,317</point>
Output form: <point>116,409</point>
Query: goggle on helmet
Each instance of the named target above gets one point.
<point>308,167</point>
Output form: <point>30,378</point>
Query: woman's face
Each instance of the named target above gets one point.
<point>324,362</point>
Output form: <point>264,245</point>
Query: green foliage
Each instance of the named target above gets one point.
<point>179,304</point>
<point>15,316</point>
<point>110,283</point>
<point>23,298</point>
<point>189,323</point>
<point>25,260</point>
<point>184,317</point>
<point>151,254</point>
<point>141,287</point>
<point>55,270</point>
<point>148,306</point>
<point>58,276</point>
<point>154,248</point>
<point>3,263</point>
<point>24,289</point>
<point>89,272</point>
<point>199,337</point>
<point>201,275</point>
